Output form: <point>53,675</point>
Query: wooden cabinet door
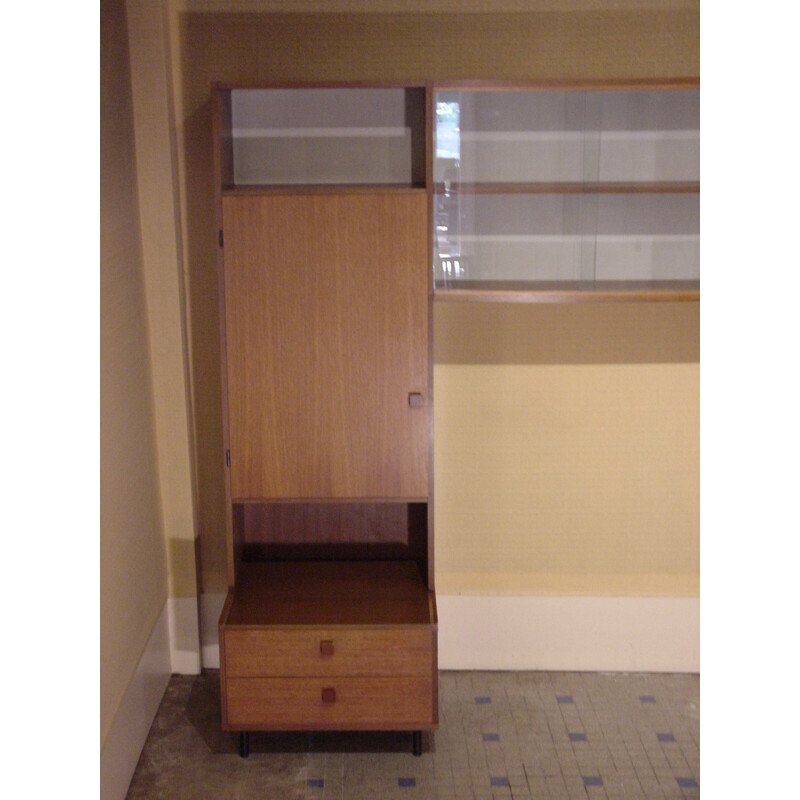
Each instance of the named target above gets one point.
<point>326,298</point>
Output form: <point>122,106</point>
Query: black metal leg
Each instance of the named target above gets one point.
<point>417,741</point>
<point>244,744</point>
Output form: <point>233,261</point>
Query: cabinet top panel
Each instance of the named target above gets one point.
<point>330,593</point>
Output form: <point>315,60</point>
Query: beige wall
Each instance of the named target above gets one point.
<point>567,449</point>
<point>592,459</point>
<point>133,562</point>
<point>162,258</point>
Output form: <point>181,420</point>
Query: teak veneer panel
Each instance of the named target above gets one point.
<point>327,336</point>
<point>324,652</point>
<point>356,703</point>
<point>569,291</point>
<point>324,593</point>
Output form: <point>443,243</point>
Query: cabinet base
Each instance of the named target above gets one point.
<point>244,743</point>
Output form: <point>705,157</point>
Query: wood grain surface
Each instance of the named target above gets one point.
<point>324,593</point>
<point>326,652</point>
<point>326,336</point>
<point>359,704</point>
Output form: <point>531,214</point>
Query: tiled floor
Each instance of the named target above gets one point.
<point>502,735</point>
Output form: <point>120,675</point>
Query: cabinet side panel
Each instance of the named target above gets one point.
<point>221,133</point>
<point>223,136</point>
<point>327,337</point>
<point>223,672</point>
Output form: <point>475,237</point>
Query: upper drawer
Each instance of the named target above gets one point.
<point>326,652</point>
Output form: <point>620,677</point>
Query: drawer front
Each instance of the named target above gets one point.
<point>327,652</point>
<point>330,704</point>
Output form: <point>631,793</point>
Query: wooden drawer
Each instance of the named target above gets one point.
<point>328,652</point>
<point>330,703</point>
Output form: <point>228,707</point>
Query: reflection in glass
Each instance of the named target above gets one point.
<point>565,186</point>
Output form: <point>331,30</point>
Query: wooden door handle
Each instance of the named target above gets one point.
<point>326,647</point>
<point>329,695</point>
<point>416,400</point>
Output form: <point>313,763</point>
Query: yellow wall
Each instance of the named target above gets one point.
<point>133,565</point>
<point>567,449</point>
<point>591,459</point>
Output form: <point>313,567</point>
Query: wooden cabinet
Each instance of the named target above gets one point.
<point>330,620</point>
<point>356,649</point>
<point>343,212</point>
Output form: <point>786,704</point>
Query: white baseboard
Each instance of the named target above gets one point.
<point>120,753</point>
<point>595,634</point>
<point>210,611</point>
<point>603,634</point>
<point>184,635</point>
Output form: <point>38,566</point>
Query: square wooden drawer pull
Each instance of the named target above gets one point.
<point>329,695</point>
<point>416,400</point>
<point>326,647</point>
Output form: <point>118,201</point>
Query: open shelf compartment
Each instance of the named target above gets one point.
<point>330,593</point>
<point>332,136</point>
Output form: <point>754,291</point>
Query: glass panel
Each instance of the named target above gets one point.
<point>508,237</point>
<point>650,136</point>
<point>531,186</point>
<point>509,137</point>
<point>566,237</point>
<point>567,137</point>
<point>648,237</point>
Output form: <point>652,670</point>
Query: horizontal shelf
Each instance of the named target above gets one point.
<point>331,501</point>
<point>319,188</point>
<point>339,132</point>
<point>665,187</point>
<point>568,291</point>
<point>568,84</point>
<point>326,593</point>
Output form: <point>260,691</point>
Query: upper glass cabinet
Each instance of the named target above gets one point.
<point>565,188</point>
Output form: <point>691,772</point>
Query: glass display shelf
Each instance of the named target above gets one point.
<point>580,190</point>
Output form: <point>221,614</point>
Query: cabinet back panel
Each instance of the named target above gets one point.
<point>326,336</point>
<point>352,531</point>
<point>331,135</point>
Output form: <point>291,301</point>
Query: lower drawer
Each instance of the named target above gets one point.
<point>333,704</point>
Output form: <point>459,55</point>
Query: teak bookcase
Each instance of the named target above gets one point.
<point>343,212</point>
<point>330,621</point>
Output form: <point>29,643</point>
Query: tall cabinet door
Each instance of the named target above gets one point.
<point>326,298</point>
